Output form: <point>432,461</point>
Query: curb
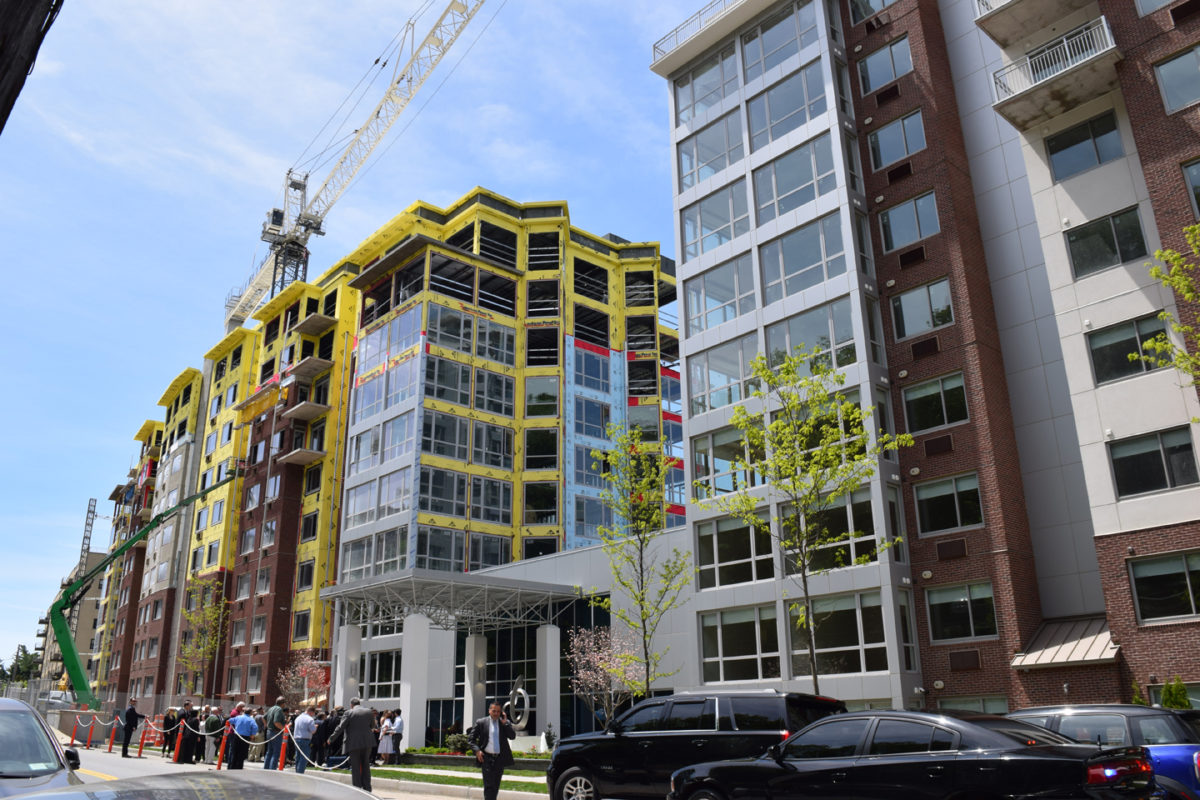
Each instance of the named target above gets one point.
<point>389,786</point>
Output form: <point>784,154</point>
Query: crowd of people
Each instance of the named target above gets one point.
<point>255,734</point>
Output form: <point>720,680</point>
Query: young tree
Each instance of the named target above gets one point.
<point>1175,694</point>
<point>648,576</point>
<point>600,675</point>
<point>305,680</point>
<point>1138,699</point>
<point>806,441</point>
<point>205,613</point>
<point>1177,273</point>
<point>25,664</point>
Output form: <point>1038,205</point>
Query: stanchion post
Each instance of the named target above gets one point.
<point>283,749</point>
<point>91,727</point>
<point>224,741</point>
<point>178,742</point>
<point>112,737</point>
<point>74,728</point>
<point>142,742</point>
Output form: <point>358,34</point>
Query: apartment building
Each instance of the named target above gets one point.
<point>1102,100</point>
<point>496,343</point>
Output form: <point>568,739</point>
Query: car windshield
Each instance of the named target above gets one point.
<point>1022,732</point>
<point>25,749</point>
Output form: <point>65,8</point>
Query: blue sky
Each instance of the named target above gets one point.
<point>154,135</point>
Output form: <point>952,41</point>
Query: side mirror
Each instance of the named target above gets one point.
<point>775,751</point>
<point>72,757</point>
<point>614,727</point>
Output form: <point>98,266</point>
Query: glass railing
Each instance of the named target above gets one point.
<point>1053,59</point>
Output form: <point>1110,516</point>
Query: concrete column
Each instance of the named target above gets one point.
<point>346,653</point>
<point>475,691</point>
<point>414,678</point>
<point>548,701</point>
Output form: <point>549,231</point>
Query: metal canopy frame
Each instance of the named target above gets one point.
<point>474,602</point>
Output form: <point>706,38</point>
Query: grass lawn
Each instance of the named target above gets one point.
<point>467,779</point>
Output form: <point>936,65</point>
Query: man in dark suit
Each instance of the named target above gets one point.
<point>131,718</point>
<point>357,728</point>
<point>489,739</point>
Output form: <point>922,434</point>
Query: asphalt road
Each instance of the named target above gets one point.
<point>98,764</point>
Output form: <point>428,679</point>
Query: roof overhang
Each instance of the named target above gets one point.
<point>1071,642</point>
<point>471,601</point>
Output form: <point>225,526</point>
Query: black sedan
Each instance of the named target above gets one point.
<point>912,755</point>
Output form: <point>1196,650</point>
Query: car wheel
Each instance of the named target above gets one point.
<point>706,794</point>
<point>575,784</point>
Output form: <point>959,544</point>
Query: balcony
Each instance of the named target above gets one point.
<point>305,410</point>
<point>705,29</point>
<point>310,367</point>
<point>314,324</point>
<point>1011,21</point>
<point>1058,76</point>
<point>301,455</point>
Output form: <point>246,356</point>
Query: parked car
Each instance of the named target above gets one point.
<point>1171,737</point>
<point>913,755</point>
<point>56,700</point>
<point>635,757</point>
<point>251,783</point>
<point>30,756</point>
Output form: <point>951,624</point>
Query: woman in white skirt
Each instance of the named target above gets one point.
<point>386,748</point>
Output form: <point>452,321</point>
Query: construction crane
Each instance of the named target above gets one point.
<point>288,229</point>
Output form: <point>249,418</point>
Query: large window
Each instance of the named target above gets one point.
<point>589,471</point>
<point>1084,146</point>
<point>1179,79</point>
<point>711,150</point>
<point>541,395</point>
<point>496,342</point>
<point>932,404</point>
<point>779,37</point>
<point>1111,347</point>
<point>739,645</point>
<point>443,492</point>
<point>802,258</point>
<point>705,85</point>
<point>395,492</point>
<point>360,504</point>
<point>729,551</point>
<point>922,309</point>
<point>591,513</point>
<point>849,525</point>
<point>714,456</point>
<point>1163,460</point>
<point>541,448</point>
<point>1106,242</point>
<point>494,393</point>
<point>896,140</point>
<point>1191,174</point>
<point>402,381</point>
<point>447,380</point>
<point>827,329</point>
<point>1167,586</point>
<point>715,220</point>
<point>488,551</point>
<point>861,9</point>
<point>787,105</point>
<point>445,435</point>
<point>363,451</point>
<point>948,504</point>
<point>848,633</point>
<point>398,436</point>
<point>885,65</point>
<point>450,328</point>
<point>492,446</point>
<point>541,503</point>
<point>721,376</point>
<point>591,417</point>
<point>795,178</point>
<point>591,370</point>
<point>909,222</point>
<point>439,548</point>
<point>961,612</point>
<point>491,500</point>
<point>719,294</point>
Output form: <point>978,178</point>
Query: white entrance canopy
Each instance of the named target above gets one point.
<point>472,601</point>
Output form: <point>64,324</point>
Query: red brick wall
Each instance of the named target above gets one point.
<point>1001,550</point>
<point>1161,649</point>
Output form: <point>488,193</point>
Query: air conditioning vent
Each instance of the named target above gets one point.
<point>1184,10</point>
<point>954,548</point>
<point>925,348</point>
<point>901,171</point>
<point>887,95</point>
<point>912,257</point>
<point>939,444</point>
<point>961,660</point>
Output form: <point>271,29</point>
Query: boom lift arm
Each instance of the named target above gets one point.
<point>288,230</point>
<point>60,611</point>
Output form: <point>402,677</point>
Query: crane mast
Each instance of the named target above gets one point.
<point>288,229</point>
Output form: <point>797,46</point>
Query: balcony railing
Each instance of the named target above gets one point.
<point>1073,49</point>
<point>988,6</point>
<point>691,26</point>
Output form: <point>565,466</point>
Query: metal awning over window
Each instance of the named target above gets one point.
<point>474,602</point>
<point>1078,641</point>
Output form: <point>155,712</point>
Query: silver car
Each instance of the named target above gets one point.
<point>31,758</point>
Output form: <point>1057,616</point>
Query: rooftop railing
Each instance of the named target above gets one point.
<point>987,6</point>
<point>691,26</point>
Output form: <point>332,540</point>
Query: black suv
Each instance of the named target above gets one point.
<point>635,757</point>
<point>1171,737</point>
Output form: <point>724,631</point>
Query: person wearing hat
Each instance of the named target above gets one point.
<point>130,718</point>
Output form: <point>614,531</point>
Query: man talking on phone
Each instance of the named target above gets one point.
<point>489,739</point>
